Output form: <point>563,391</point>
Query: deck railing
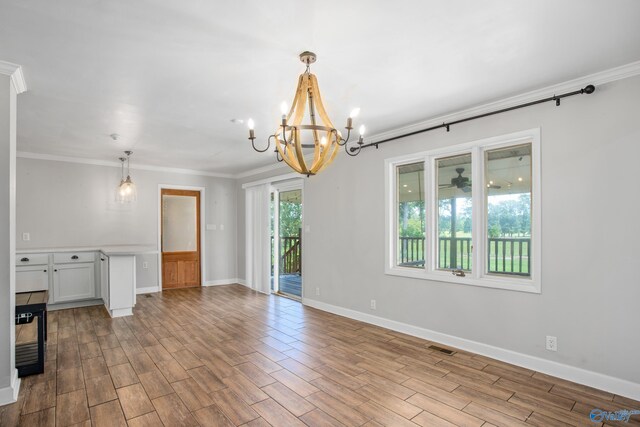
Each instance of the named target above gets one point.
<point>455,253</point>
<point>290,259</point>
<point>411,251</point>
<point>510,255</point>
<point>291,254</point>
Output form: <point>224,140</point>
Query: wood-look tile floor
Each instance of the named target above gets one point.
<point>225,356</point>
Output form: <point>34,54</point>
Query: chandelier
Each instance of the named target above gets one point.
<point>308,148</point>
<point>126,191</point>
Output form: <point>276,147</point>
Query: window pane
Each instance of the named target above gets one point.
<point>508,182</point>
<point>410,214</point>
<point>179,224</point>
<point>454,212</point>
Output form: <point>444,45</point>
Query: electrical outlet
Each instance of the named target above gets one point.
<point>145,265</point>
<point>552,343</point>
<point>373,304</point>
<point>26,237</point>
<point>317,291</point>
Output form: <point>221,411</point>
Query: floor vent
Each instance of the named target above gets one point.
<point>442,350</point>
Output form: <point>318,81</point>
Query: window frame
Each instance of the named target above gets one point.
<point>479,275</point>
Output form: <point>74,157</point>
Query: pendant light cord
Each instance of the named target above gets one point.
<point>122,159</point>
<point>128,153</point>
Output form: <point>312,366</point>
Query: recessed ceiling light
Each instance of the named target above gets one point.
<point>409,191</point>
<point>404,185</point>
<point>520,178</point>
<point>238,121</point>
<point>115,136</point>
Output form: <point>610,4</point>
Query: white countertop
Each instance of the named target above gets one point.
<point>109,250</point>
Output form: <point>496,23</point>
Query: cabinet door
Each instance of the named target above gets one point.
<point>104,279</point>
<point>32,278</point>
<point>73,282</point>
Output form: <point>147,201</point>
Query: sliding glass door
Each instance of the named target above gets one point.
<point>286,242</point>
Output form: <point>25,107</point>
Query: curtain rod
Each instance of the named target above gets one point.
<point>587,89</point>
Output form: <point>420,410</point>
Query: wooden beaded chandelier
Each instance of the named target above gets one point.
<point>308,148</point>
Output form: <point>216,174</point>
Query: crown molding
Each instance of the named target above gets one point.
<point>269,168</point>
<point>262,169</point>
<point>273,179</point>
<point>15,72</point>
<point>135,166</point>
<point>599,78</point>
<point>596,79</point>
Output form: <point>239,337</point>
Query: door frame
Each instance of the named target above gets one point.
<point>276,189</point>
<point>201,190</point>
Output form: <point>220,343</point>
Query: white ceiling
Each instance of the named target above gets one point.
<point>168,75</point>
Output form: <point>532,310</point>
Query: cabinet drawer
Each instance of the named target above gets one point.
<point>73,257</point>
<point>32,278</point>
<point>32,259</point>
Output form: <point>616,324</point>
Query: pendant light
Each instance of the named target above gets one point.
<point>126,191</point>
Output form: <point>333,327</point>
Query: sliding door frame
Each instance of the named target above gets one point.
<point>277,181</point>
<point>276,189</point>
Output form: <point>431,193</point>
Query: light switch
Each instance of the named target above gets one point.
<point>26,237</point>
<point>145,265</point>
<point>221,227</point>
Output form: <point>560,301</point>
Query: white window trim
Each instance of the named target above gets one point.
<point>478,277</point>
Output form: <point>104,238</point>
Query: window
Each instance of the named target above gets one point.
<point>454,193</point>
<point>508,210</point>
<point>410,215</point>
<point>467,214</point>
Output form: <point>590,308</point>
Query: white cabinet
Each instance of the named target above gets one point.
<point>32,278</point>
<point>72,282</point>
<point>104,279</point>
<point>83,277</point>
<point>32,272</point>
<point>122,284</point>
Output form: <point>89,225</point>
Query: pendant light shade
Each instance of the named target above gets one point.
<point>126,191</point>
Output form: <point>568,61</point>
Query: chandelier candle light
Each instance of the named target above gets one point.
<point>126,191</point>
<point>325,139</point>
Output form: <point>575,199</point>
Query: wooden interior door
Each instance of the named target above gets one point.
<point>180,238</point>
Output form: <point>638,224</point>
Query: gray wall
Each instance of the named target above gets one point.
<point>69,204</point>
<point>7,225</point>
<point>590,207</point>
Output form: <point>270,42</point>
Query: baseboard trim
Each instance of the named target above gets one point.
<point>120,312</point>
<point>75,304</point>
<point>154,289</point>
<point>571,373</point>
<point>221,282</point>
<point>9,394</point>
<point>147,290</point>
